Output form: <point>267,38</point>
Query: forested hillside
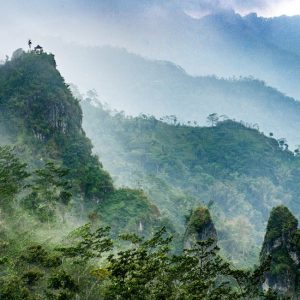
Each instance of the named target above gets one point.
<point>67,232</point>
<point>236,170</point>
<point>42,120</point>
<point>52,183</point>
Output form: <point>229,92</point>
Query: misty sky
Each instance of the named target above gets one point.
<point>13,8</point>
<point>124,23</point>
<point>87,21</point>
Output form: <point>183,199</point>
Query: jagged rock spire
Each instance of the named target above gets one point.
<point>200,227</point>
<point>282,243</point>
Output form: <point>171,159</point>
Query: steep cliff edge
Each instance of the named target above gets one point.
<point>38,111</point>
<point>282,243</point>
<point>43,121</point>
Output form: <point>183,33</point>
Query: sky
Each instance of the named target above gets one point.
<point>91,22</point>
<point>13,8</point>
<point>56,17</point>
<point>113,22</point>
<point>268,8</point>
<point>96,22</point>
<point>288,8</point>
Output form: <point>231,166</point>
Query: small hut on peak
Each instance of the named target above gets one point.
<point>38,49</point>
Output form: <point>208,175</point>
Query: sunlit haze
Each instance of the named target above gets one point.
<point>286,7</point>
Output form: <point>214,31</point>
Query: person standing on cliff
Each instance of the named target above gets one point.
<point>29,44</point>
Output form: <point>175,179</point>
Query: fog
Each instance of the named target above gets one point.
<point>203,38</point>
<point>223,44</point>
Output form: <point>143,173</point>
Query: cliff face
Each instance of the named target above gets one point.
<point>39,115</point>
<point>35,97</point>
<point>282,243</point>
<point>38,110</point>
<point>199,227</point>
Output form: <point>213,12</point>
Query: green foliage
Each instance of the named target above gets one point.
<point>198,219</point>
<point>12,288</point>
<point>281,244</point>
<point>281,223</point>
<point>86,171</point>
<point>234,167</point>
<point>129,210</point>
<point>12,175</point>
<point>146,270</point>
<point>62,285</point>
<point>32,276</point>
<point>37,255</point>
<point>49,189</point>
<point>87,244</point>
<point>34,95</point>
<point>46,122</point>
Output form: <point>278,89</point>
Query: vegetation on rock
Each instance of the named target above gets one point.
<point>281,244</point>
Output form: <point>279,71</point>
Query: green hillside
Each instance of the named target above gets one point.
<point>56,201</point>
<point>42,120</point>
<point>235,170</point>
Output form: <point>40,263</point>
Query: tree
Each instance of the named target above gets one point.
<point>50,189</point>
<point>213,119</point>
<point>12,176</point>
<point>297,151</point>
<point>147,270</point>
<point>86,243</point>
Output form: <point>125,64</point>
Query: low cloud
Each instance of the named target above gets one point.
<point>210,6</point>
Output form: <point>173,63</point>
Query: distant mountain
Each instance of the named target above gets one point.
<point>223,44</point>
<point>137,85</point>
<point>264,48</point>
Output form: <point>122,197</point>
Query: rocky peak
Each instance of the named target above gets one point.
<point>34,96</point>
<point>199,227</point>
<point>282,244</point>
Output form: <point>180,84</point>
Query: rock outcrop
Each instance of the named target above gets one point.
<point>199,227</point>
<point>282,243</point>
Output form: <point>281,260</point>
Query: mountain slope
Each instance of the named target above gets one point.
<point>236,170</point>
<point>42,119</point>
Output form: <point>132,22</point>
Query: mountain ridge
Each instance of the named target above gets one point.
<point>137,85</point>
